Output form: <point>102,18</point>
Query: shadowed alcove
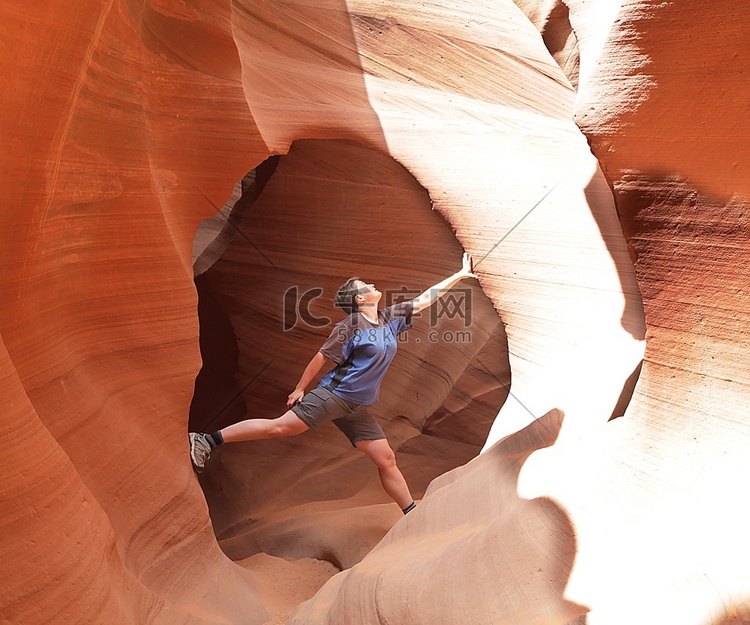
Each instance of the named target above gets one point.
<point>299,226</point>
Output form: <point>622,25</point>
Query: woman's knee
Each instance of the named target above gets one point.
<point>389,462</point>
<point>289,424</point>
<point>385,458</point>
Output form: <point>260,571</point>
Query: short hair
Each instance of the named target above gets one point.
<point>346,294</point>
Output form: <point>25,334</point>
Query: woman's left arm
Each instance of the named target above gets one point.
<point>431,295</point>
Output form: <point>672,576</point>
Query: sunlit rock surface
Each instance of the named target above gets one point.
<point>407,132</point>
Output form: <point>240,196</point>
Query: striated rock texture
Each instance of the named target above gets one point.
<point>113,131</point>
<point>127,123</point>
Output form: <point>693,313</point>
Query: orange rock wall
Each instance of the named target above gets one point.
<point>111,145</point>
<point>126,123</point>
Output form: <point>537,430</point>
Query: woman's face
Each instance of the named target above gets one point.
<point>367,293</point>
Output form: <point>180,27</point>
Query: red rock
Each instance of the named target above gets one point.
<point>125,124</point>
<point>111,145</point>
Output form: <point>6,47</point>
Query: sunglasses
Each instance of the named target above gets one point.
<point>365,289</point>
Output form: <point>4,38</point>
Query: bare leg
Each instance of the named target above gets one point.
<point>391,478</point>
<point>287,424</point>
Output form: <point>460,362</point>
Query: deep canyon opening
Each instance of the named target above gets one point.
<point>267,269</point>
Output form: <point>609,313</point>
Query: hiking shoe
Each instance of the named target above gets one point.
<point>200,450</point>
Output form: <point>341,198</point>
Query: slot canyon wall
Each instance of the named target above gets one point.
<point>591,156</point>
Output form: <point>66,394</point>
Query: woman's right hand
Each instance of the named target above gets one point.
<point>467,266</point>
<point>295,397</point>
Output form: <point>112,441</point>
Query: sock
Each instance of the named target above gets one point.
<point>215,439</point>
<point>409,508</point>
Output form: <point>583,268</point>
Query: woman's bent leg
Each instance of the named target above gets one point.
<point>380,452</point>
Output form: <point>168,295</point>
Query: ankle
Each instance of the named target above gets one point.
<point>215,439</point>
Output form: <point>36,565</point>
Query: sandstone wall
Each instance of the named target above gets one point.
<point>127,123</point>
<point>112,139</point>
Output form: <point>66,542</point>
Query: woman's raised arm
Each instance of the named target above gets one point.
<point>431,295</point>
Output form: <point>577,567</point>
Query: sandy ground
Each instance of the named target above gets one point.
<point>284,584</point>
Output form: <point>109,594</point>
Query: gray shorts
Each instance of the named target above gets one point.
<point>320,406</point>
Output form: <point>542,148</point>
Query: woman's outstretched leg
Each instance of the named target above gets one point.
<point>288,424</point>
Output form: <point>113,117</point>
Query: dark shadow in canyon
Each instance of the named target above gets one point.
<point>623,401</point>
<point>598,194</point>
<point>217,398</point>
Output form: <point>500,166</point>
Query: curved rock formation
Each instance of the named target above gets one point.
<point>111,137</point>
<point>661,108</point>
<point>126,123</point>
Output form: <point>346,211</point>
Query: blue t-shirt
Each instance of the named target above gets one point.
<point>362,352</point>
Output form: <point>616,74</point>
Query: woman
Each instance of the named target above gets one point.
<point>361,347</point>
